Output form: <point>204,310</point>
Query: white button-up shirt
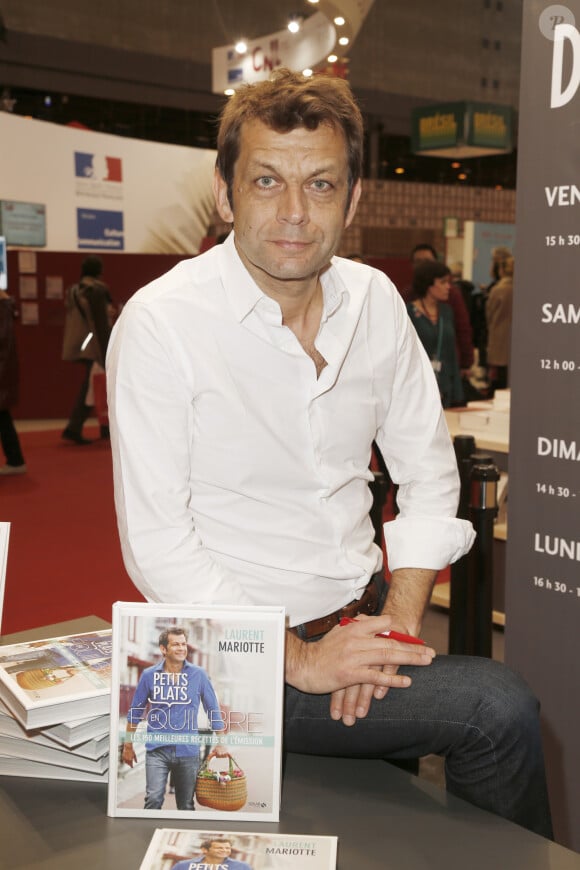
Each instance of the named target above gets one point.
<point>241,477</point>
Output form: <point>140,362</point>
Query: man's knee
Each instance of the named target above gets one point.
<point>507,709</point>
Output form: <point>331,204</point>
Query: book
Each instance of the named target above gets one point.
<point>48,682</point>
<point>71,734</point>
<point>4,539</point>
<point>10,727</point>
<point>12,766</point>
<point>23,748</point>
<point>188,850</point>
<point>197,691</point>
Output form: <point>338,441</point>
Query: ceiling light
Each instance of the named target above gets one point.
<point>399,170</point>
<point>332,58</point>
<point>462,176</point>
<point>294,23</point>
<point>343,40</point>
<point>307,72</point>
<point>339,21</point>
<point>455,165</point>
<point>229,92</point>
<point>241,47</point>
<point>313,1</point>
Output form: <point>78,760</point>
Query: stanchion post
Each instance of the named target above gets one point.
<point>464,446</point>
<point>482,513</point>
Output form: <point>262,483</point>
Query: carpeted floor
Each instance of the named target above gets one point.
<point>64,558</point>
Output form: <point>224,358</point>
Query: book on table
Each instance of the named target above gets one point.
<point>71,734</point>
<point>26,749</point>
<point>246,850</point>
<point>59,679</point>
<point>196,688</point>
<point>27,767</point>
<point>41,746</point>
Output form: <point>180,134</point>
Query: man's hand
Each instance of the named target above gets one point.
<point>353,703</point>
<point>219,751</point>
<point>128,754</point>
<point>409,593</point>
<point>352,657</point>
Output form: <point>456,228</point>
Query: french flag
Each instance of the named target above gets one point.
<point>97,167</point>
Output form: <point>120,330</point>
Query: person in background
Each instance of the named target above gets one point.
<point>15,463</point>
<point>433,321</point>
<point>462,324</point>
<point>497,255</point>
<point>88,320</point>
<point>498,312</point>
<point>246,388</point>
<point>475,304</point>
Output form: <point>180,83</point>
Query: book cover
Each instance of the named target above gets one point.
<point>47,682</point>
<point>172,849</point>
<point>196,711</point>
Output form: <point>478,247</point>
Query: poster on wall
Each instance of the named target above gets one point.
<point>480,239</point>
<point>23,223</point>
<point>543,539</point>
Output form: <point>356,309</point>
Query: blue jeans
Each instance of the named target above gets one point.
<point>475,712</point>
<point>159,763</point>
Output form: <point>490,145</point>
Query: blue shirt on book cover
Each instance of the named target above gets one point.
<point>170,704</point>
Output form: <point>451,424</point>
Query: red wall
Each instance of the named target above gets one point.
<point>48,386</point>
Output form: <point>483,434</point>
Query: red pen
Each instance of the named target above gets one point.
<point>393,635</point>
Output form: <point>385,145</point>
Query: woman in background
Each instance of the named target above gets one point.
<point>498,312</point>
<point>8,389</point>
<point>433,320</point>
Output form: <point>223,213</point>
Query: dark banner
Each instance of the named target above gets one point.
<point>543,550</point>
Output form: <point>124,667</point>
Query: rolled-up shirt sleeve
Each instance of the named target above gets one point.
<point>417,449</point>
<point>151,408</point>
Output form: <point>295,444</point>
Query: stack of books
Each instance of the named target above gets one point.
<point>54,707</point>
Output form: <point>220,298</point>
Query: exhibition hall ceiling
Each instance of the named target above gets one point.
<point>448,50</point>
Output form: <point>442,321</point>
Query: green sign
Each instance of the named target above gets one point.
<point>462,130</point>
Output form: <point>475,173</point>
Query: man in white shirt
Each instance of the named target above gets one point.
<point>246,388</point>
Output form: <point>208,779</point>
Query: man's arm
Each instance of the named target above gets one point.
<point>426,536</point>
<point>151,411</point>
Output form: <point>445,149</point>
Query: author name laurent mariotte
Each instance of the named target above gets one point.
<point>243,640</point>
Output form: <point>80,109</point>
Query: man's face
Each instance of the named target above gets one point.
<point>176,649</point>
<point>289,204</point>
<point>218,850</point>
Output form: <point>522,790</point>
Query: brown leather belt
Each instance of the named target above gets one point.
<point>367,603</point>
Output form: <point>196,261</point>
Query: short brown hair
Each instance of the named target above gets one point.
<point>173,629</point>
<point>289,100</point>
<point>207,844</point>
<point>425,273</point>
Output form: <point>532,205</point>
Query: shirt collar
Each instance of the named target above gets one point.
<point>244,295</point>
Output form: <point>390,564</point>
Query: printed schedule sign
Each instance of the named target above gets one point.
<point>543,549</point>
